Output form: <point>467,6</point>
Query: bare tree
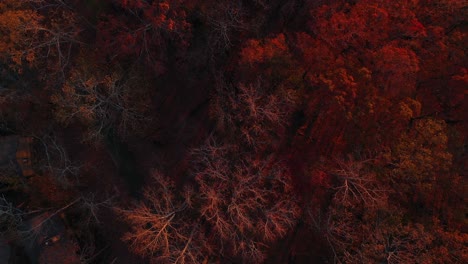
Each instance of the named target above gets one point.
<point>226,18</point>
<point>248,203</point>
<point>357,183</point>
<point>91,206</point>
<point>242,206</point>
<point>102,101</point>
<point>257,116</point>
<point>89,211</point>
<point>162,227</point>
<point>57,161</point>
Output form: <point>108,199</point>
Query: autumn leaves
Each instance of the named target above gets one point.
<point>348,118</point>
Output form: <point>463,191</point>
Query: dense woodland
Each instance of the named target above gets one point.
<point>239,131</point>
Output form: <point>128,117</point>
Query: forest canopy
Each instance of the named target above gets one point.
<point>231,131</point>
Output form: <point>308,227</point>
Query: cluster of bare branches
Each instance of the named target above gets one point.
<point>248,203</point>
<point>241,207</point>
<point>92,205</point>
<point>89,210</point>
<point>250,112</point>
<point>357,196</point>
<point>226,19</point>
<point>357,184</point>
<point>344,233</point>
<point>10,218</point>
<point>57,161</point>
<point>102,100</point>
<point>162,227</point>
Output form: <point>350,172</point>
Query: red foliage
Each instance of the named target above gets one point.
<point>396,71</point>
<point>349,114</point>
<point>255,52</point>
<point>143,30</point>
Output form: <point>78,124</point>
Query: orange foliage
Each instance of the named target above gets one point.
<point>19,30</point>
<point>258,52</point>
